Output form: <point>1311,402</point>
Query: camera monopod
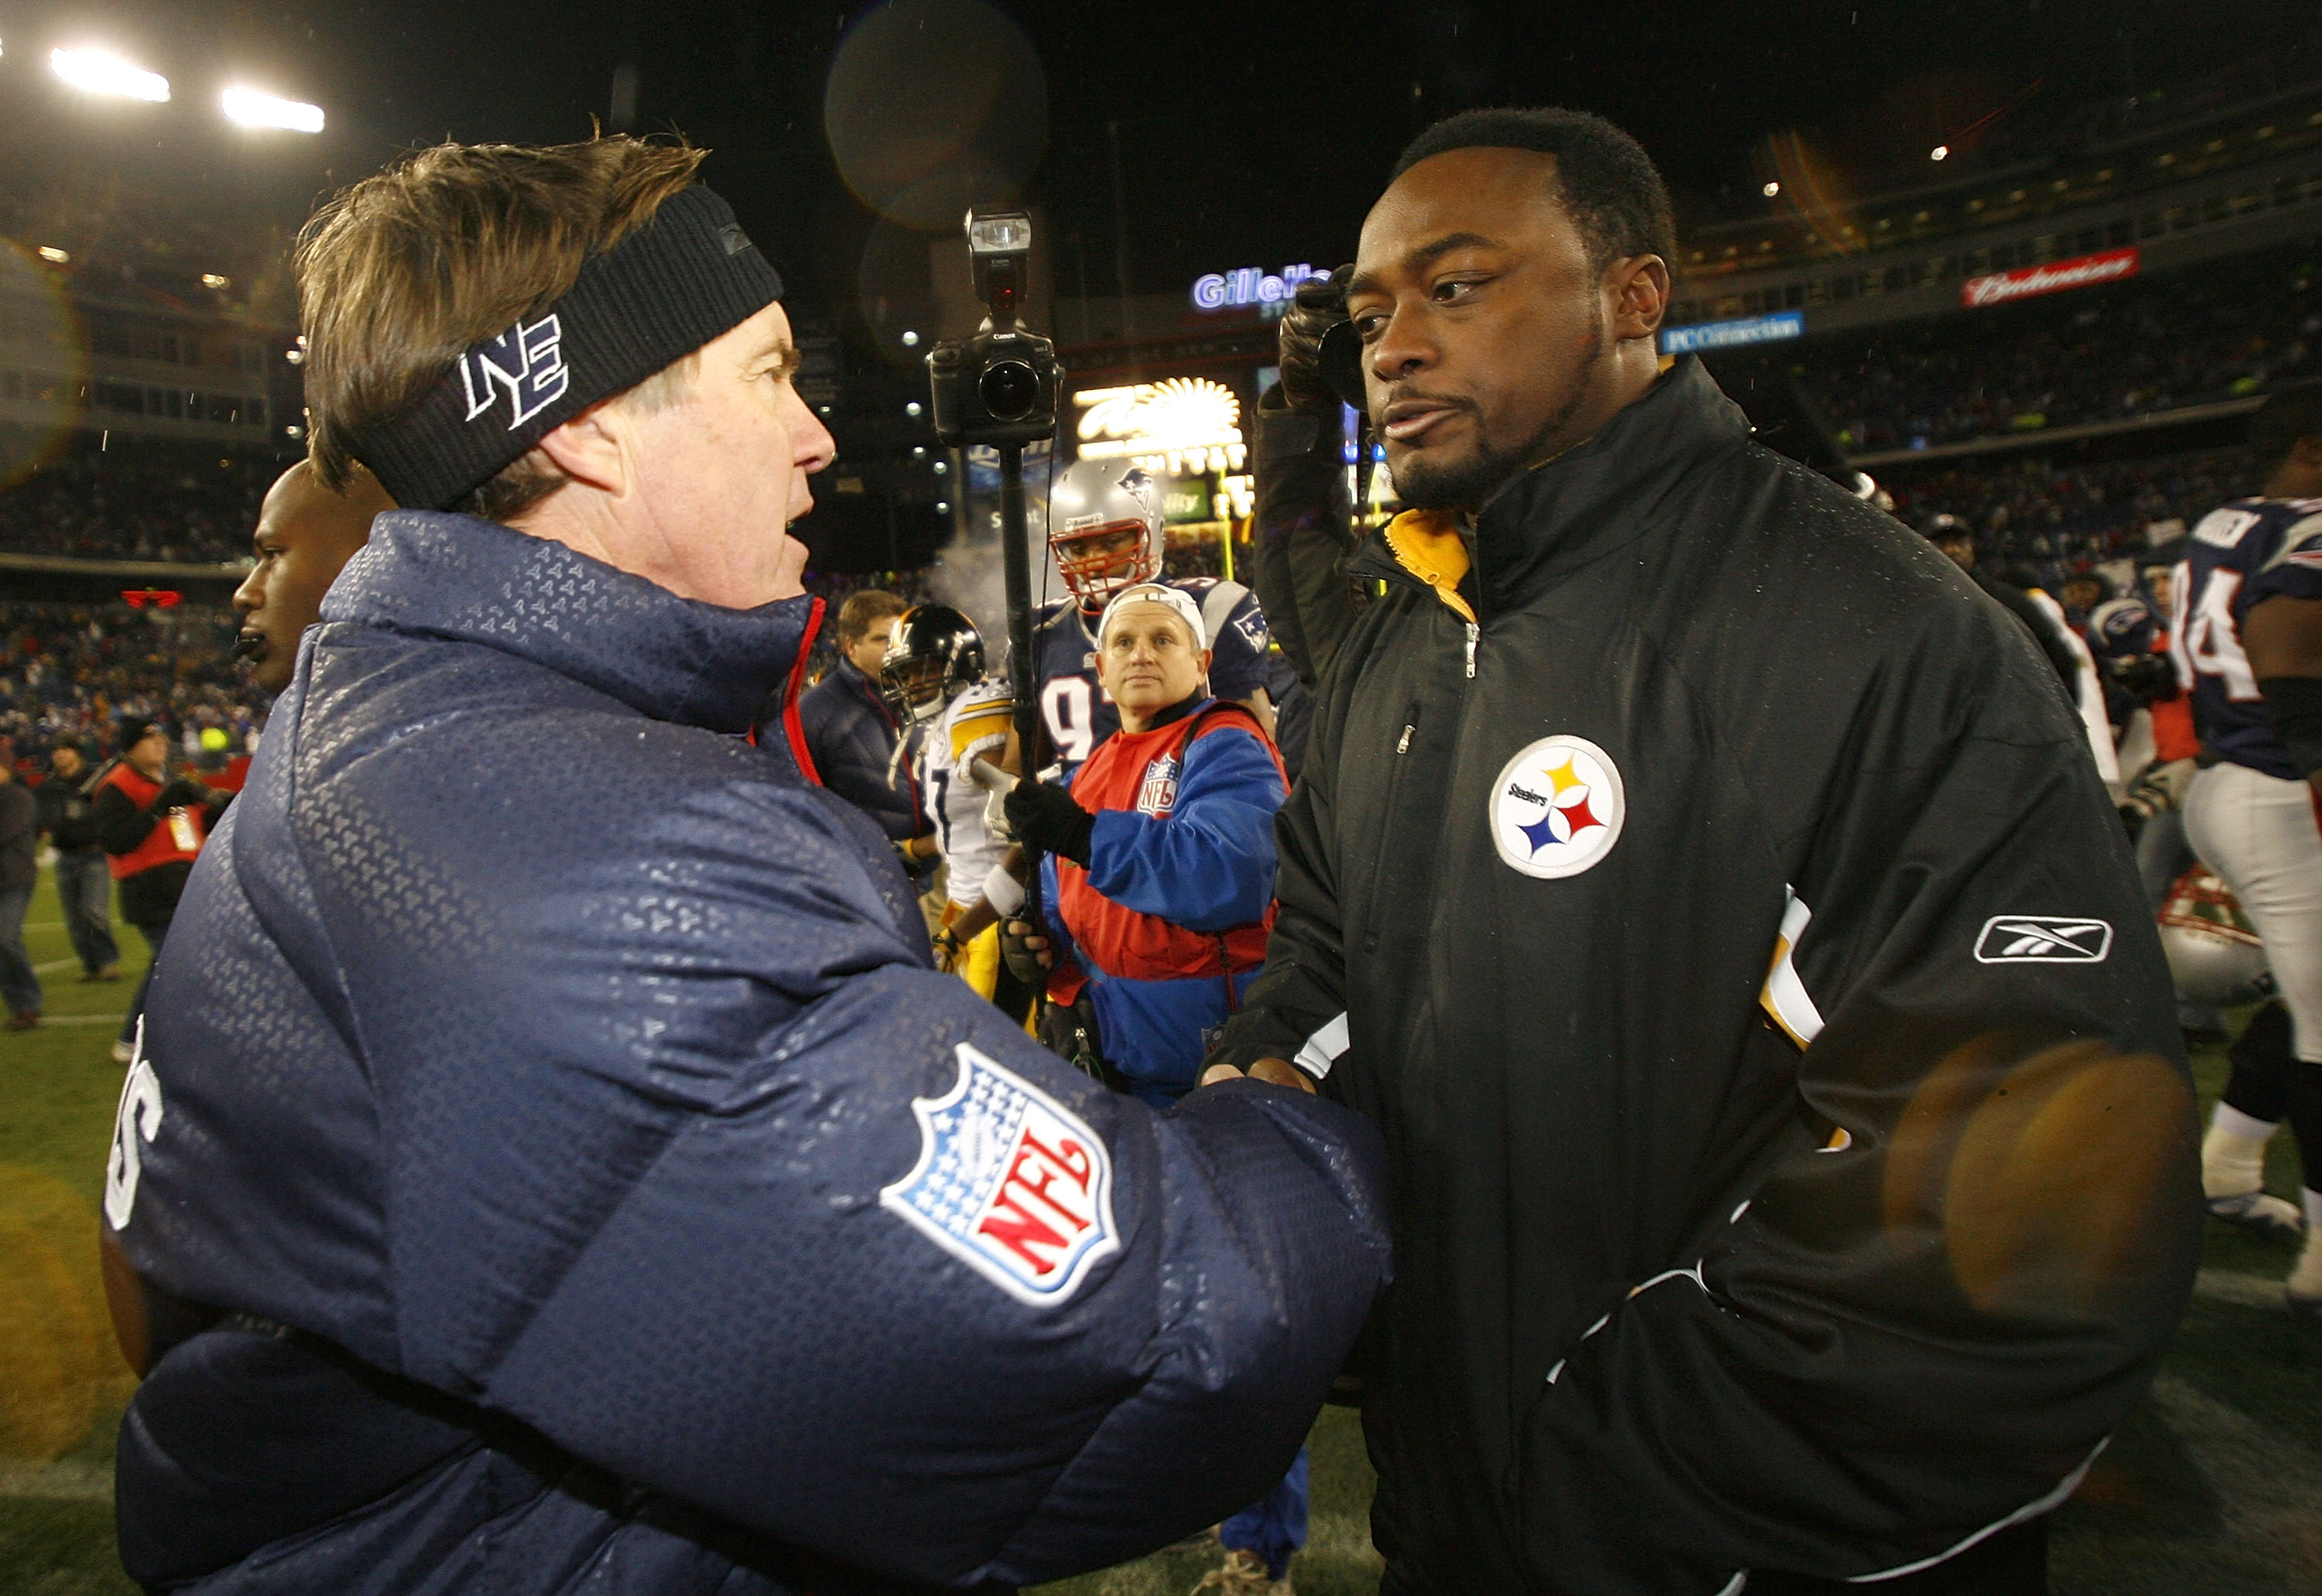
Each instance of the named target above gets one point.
<point>999,388</point>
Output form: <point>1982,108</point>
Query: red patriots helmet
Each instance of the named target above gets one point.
<point>1104,520</point>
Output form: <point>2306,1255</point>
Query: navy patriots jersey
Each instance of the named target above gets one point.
<point>2247,551</point>
<point>1079,713</point>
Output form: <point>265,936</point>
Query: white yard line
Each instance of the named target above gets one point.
<point>83,1019</point>
<point>2231,1285</point>
<point>57,1481</point>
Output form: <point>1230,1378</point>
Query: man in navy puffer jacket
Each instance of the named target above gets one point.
<point>551,1162</point>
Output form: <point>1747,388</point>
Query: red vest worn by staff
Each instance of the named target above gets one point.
<point>178,836</point>
<point>1138,771</point>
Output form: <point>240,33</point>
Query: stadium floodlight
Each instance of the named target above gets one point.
<point>211,279</point>
<point>1770,190</point>
<point>253,109</point>
<point>98,73</point>
<point>53,255</point>
<point>1939,151</point>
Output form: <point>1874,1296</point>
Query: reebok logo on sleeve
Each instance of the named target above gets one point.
<point>2043,939</point>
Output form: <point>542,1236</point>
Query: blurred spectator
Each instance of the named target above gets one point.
<point>835,588</point>
<point>84,883</point>
<point>20,988</point>
<point>153,825</point>
<point>853,735</point>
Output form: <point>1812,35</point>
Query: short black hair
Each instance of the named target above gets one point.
<point>1617,198</point>
<point>2287,415</point>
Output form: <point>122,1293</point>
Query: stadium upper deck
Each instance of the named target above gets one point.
<point>2232,177</point>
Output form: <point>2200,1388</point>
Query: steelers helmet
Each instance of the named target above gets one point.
<point>2215,957</point>
<point>1104,528</point>
<point>934,653</point>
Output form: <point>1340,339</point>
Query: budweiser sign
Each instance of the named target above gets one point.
<point>2078,272</point>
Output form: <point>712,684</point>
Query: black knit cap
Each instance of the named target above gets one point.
<point>686,277</point>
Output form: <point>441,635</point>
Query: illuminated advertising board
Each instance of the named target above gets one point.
<point>1733,334</point>
<point>1249,284</point>
<point>2082,271</point>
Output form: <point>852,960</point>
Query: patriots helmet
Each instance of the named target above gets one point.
<point>1104,528</point>
<point>2214,956</point>
<point>934,652</point>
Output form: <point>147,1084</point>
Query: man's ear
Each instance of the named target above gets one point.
<point>591,449</point>
<point>1639,288</point>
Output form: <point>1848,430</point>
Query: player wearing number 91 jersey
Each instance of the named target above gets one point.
<point>2247,551</point>
<point>1106,532</point>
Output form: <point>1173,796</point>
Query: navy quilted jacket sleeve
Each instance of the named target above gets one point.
<point>587,1066</point>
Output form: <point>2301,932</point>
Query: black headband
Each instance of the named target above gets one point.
<point>681,280</point>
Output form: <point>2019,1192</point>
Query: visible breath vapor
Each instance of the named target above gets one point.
<point>970,573</point>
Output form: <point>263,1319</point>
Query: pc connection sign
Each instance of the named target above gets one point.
<point>2082,271</point>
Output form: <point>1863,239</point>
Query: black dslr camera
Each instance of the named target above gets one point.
<point>999,386</point>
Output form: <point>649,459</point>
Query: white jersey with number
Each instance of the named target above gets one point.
<point>975,726</point>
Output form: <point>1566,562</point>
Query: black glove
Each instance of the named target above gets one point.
<point>1317,305</point>
<point>2146,677</point>
<point>1046,820</point>
<point>183,792</point>
<point>1027,964</point>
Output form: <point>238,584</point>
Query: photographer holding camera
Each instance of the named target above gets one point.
<point>529,1182</point>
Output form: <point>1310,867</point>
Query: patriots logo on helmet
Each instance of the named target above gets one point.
<point>527,362</point>
<point>1139,485</point>
<point>1010,1181</point>
<point>1558,807</point>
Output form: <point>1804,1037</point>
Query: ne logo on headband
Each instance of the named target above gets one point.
<point>527,360</point>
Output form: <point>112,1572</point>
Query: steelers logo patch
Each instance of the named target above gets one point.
<point>1556,808</point>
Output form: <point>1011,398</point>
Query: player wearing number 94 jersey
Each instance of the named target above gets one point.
<point>1105,529</point>
<point>2248,642</point>
<point>2239,555</point>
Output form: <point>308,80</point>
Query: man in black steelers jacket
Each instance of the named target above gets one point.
<point>1707,891</point>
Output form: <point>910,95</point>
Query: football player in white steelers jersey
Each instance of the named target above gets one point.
<point>1104,521</point>
<point>2247,636</point>
<point>958,720</point>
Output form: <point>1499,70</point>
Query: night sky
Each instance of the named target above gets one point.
<point>1246,134</point>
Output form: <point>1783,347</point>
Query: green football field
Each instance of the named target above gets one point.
<point>2214,1486</point>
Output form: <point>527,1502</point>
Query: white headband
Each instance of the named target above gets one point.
<point>1155,593</point>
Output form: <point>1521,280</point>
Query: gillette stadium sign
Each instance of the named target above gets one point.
<point>1250,284</point>
<point>2080,272</point>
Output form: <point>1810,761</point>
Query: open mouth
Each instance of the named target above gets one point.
<point>250,646</point>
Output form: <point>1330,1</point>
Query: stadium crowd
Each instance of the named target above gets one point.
<point>2059,516</point>
<point>91,504</point>
<point>76,672</point>
<point>2190,337</point>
